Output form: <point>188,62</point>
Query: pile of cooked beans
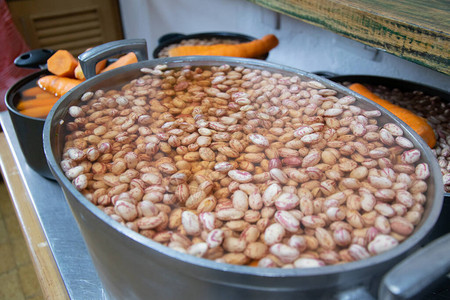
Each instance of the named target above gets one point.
<point>246,166</point>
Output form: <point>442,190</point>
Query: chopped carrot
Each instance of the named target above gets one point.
<point>127,59</point>
<point>62,63</point>
<point>417,123</point>
<point>98,68</point>
<point>36,102</point>
<point>57,85</point>
<point>78,72</point>
<point>37,112</point>
<point>252,49</point>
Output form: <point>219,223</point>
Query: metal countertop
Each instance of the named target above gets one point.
<point>59,226</point>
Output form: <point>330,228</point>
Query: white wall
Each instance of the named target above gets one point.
<point>302,45</point>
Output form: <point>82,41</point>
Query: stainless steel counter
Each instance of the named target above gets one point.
<point>58,224</point>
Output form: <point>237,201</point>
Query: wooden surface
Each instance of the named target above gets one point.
<point>44,264</point>
<point>416,30</point>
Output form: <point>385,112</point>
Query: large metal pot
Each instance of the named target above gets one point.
<point>133,267</point>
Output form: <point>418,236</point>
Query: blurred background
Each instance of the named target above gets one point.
<point>77,25</point>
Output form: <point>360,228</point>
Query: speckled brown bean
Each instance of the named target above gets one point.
<point>215,238</point>
<point>234,258</point>
<point>190,223</point>
<point>273,234</point>
<point>256,250</point>
<point>401,225</point>
<point>284,252</point>
<point>287,220</point>
<point>233,244</point>
<point>382,243</point>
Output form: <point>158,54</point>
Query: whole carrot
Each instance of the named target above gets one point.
<point>43,94</point>
<point>36,102</point>
<point>32,92</point>
<point>37,112</point>
<point>417,123</point>
<point>252,49</point>
<point>127,59</point>
<point>57,85</point>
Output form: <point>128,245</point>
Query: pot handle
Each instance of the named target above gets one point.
<point>89,59</point>
<point>34,59</point>
<point>417,272</point>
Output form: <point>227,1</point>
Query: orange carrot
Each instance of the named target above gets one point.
<point>44,94</point>
<point>57,85</point>
<point>254,263</point>
<point>32,92</point>
<point>35,93</point>
<point>37,112</point>
<point>36,102</point>
<point>417,123</point>
<point>98,68</point>
<point>252,49</point>
<point>127,59</point>
<point>78,72</point>
<point>62,63</point>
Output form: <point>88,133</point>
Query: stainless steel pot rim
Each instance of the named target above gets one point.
<point>428,221</point>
